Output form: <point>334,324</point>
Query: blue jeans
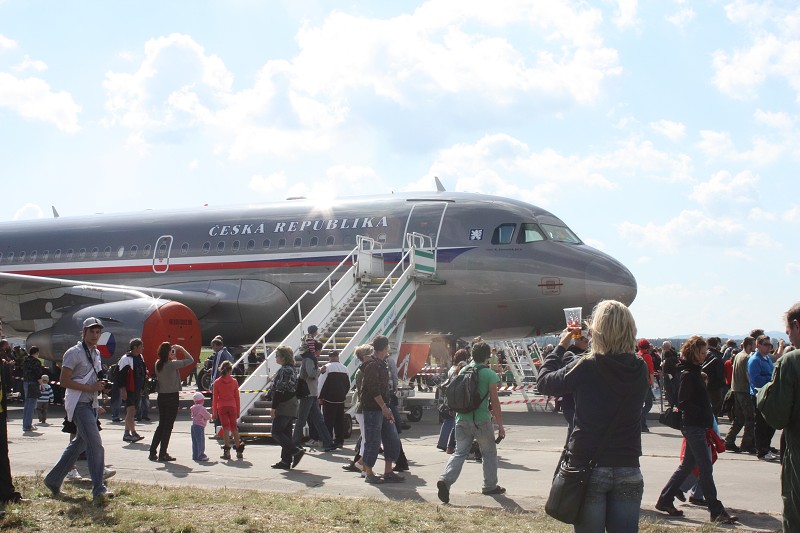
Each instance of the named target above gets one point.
<point>88,439</point>
<point>308,410</point>
<point>377,429</point>
<point>697,454</point>
<point>448,424</point>
<point>143,409</point>
<point>198,441</point>
<point>612,501</point>
<point>29,408</point>
<point>648,404</point>
<point>466,432</point>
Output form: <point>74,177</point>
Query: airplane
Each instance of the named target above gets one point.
<point>505,269</point>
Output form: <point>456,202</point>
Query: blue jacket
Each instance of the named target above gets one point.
<point>759,369</point>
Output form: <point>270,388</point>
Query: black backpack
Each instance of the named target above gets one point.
<point>113,373</point>
<point>461,390</point>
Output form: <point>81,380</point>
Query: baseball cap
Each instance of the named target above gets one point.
<point>643,344</point>
<point>312,329</point>
<point>91,322</point>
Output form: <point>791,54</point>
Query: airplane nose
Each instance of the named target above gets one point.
<point>608,279</point>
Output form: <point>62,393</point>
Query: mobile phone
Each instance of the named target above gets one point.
<point>498,439</point>
<point>172,351</point>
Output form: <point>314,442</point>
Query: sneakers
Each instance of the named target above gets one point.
<point>391,477</point>
<point>444,491</point>
<point>724,518</point>
<point>165,457</point>
<point>74,475</point>
<point>732,448</point>
<point>27,430</point>
<point>497,490</point>
<point>135,437</point>
<point>202,459</point>
<point>313,443</point>
<point>280,465</point>
<point>670,509</point>
<point>373,479</point>
<point>770,456</point>
<point>698,501</point>
<point>297,456</point>
<point>108,472</point>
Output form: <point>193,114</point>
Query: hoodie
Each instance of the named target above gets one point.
<point>693,399</point>
<point>602,385</point>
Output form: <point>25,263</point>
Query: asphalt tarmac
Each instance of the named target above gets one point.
<point>748,487</point>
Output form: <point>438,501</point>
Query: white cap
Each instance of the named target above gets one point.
<point>91,322</point>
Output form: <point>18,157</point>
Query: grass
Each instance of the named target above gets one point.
<point>142,508</point>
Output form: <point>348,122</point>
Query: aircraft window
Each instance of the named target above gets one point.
<point>107,251</point>
<point>251,245</point>
<point>221,246</point>
<point>184,248</point>
<point>330,240</point>
<point>32,257</point>
<point>267,244</point>
<point>21,257</point>
<point>235,246</point>
<point>314,241</point>
<point>503,233</point>
<point>69,254</point>
<point>45,255</point>
<point>561,234</point>
<point>10,256</point>
<point>146,250</point>
<point>1,256</point>
<point>134,249</point>
<point>282,243</point>
<point>298,242</point>
<point>57,255</point>
<point>206,247</point>
<point>529,233</point>
<point>82,253</point>
<point>162,249</point>
<point>121,251</point>
<point>95,251</point>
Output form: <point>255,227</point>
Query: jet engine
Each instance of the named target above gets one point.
<point>151,319</point>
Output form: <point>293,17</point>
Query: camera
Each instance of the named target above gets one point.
<point>102,377</point>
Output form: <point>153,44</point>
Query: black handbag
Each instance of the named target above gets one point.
<point>302,388</point>
<point>671,418</point>
<point>570,482</point>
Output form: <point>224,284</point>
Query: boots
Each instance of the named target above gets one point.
<point>226,453</point>
<point>240,450</point>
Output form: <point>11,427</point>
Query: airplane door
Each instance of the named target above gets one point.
<point>425,218</point>
<point>161,254</point>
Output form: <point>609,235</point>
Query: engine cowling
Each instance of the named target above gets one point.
<point>153,320</point>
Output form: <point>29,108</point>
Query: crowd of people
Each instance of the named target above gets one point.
<point>603,376</point>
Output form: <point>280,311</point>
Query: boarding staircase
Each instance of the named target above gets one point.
<point>363,303</point>
<point>519,356</point>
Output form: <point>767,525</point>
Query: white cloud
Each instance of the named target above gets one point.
<point>503,165</point>
<point>7,43</point>
<point>688,228</point>
<point>792,268</point>
<point>33,98</point>
<point>30,64</point>
<point>773,51</point>
<point>268,184</point>
<point>761,241</point>
<point>725,189</point>
<point>28,211</point>
<point>673,131</point>
<point>682,17</point>
<point>793,214</point>
<point>758,214</point>
<point>626,15</point>
<point>719,145</point>
<point>779,120</point>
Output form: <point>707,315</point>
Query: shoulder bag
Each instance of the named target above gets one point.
<point>671,418</point>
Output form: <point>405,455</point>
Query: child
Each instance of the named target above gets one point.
<point>45,397</point>
<point>200,417</point>
<point>311,340</point>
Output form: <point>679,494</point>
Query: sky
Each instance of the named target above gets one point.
<point>663,132</point>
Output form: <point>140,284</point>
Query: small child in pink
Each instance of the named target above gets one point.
<point>200,417</point>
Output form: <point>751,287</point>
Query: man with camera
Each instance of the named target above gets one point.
<point>82,377</point>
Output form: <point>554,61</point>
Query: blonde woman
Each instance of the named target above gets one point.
<point>284,408</point>
<point>609,385</point>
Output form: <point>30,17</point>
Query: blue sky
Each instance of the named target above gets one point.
<point>664,132</point>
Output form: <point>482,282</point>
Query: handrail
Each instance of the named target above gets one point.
<point>262,338</point>
<point>363,302</point>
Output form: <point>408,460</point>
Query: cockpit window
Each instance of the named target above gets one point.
<point>529,232</point>
<point>560,234</point>
<point>503,233</point>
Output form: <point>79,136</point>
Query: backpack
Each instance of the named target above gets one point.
<point>113,373</point>
<point>461,390</point>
